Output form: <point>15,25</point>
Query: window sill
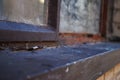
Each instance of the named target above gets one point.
<point>11,31</point>
<point>85,62</point>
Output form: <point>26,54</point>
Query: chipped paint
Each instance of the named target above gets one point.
<point>62,63</point>
<point>67,70</point>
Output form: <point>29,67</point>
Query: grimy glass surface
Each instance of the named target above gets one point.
<point>23,11</point>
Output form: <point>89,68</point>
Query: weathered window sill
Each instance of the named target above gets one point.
<point>84,62</point>
<point>12,31</point>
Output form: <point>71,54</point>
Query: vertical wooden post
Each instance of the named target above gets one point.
<point>103,17</point>
<point>53,13</point>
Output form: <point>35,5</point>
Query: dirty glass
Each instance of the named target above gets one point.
<point>24,11</point>
<point>80,16</point>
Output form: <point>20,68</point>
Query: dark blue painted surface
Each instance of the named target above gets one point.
<point>6,25</point>
<point>19,65</point>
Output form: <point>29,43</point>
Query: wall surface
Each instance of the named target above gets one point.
<point>26,11</point>
<point>80,16</point>
<point>113,74</point>
<point>116,18</point>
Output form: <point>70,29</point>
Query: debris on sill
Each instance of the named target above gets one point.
<point>27,48</point>
<point>35,48</point>
<point>79,38</point>
<point>2,48</point>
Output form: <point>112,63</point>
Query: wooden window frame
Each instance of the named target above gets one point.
<point>103,17</point>
<point>53,11</point>
<point>106,17</point>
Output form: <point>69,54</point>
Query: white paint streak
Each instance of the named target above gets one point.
<point>67,70</point>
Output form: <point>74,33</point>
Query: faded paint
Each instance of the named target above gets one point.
<point>80,16</point>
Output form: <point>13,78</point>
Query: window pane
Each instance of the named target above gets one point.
<point>25,11</point>
<point>1,9</point>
